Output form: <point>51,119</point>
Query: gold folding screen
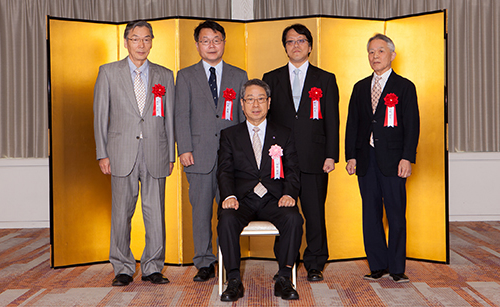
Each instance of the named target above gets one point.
<point>81,194</point>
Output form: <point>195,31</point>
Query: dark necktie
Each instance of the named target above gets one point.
<point>212,82</point>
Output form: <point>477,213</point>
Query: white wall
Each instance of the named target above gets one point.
<point>473,181</point>
<point>24,193</point>
<point>474,186</point>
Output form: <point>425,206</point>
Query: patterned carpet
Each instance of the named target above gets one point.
<point>471,279</point>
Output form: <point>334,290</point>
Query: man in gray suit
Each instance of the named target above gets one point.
<point>207,101</point>
<point>134,134</point>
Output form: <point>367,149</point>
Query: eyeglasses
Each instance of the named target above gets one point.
<point>136,40</point>
<point>215,41</point>
<point>251,100</point>
<point>299,41</point>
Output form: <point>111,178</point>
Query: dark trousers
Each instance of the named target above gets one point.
<point>231,222</point>
<point>312,195</point>
<point>379,191</point>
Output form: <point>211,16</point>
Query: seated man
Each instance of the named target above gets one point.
<point>258,180</point>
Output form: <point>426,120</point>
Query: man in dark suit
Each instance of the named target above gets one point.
<point>305,99</point>
<point>258,180</point>
<point>380,145</point>
<point>207,100</point>
<point>134,135</point>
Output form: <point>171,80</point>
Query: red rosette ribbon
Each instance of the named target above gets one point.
<point>276,152</point>
<point>229,95</point>
<point>391,120</point>
<point>315,94</point>
<point>158,91</point>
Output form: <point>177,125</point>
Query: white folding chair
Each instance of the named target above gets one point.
<point>254,228</point>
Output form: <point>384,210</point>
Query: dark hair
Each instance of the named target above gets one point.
<point>299,28</point>
<point>208,24</point>
<point>257,82</point>
<point>137,23</point>
<point>383,37</point>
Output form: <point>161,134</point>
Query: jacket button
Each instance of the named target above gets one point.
<point>374,121</point>
<point>137,137</point>
<point>217,116</point>
<point>296,116</point>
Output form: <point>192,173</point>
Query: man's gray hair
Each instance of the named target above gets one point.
<point>137,23</point>
<point>383,37</point>
<point>257,82</point>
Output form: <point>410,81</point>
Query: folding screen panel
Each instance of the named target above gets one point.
<point>81,198</point>
<point>421,49</point>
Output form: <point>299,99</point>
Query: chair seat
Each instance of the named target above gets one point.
<point>260,228</point>
<point>254,228</point>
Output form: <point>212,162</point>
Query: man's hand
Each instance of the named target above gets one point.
<point>105,166</point>
<point>404,168</point>
<point>171,167</point>
<point>286,201</point>
<point>186,159</point>
<point>329,165</point>
<point>230,203</point>
<point>351,166</point>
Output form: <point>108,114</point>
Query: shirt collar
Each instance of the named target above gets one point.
<point>143,69</point>
<point>302,68</point>
<point>218,68</point>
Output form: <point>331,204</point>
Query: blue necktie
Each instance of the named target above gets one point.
<point>212,82</point>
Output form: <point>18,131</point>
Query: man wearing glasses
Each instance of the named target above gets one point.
<point>134,135</point>
<point>305,99</point>
<point>258,179</point>
<point>207,95</point>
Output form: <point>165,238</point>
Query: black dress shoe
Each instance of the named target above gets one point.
<point>399,278</point>
<point>314,275</point>
<point>233,291</point>
<point>276,276</point>
<point>156,278</point>
<point>284,288</point>
<point>205,273</point>
<point>376,275</point>
<point>121,280</point>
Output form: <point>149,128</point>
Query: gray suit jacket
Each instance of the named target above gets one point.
<point>197,122</point>
<point>118,123</point>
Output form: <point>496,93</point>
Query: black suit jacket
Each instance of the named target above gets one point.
<point>315,140</point>
<point>391,143</point>
<point>237,173</point>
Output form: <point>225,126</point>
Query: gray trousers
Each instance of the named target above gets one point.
<point>125,191</point>
<point>202,190</point>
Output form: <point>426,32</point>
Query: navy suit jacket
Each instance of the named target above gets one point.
<point>391,143</point>
<point>237,172</point>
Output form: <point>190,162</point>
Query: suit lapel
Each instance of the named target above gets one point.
<point>387,89</point>
<point>128,84</point>
<point>201,77</point>
<point>284,80</point>
<point>227,76</point>
<point>269,140</point>
<point>153,78</point>
<point>366,95</point>
<point>309,82</point>
<point>246,143</point>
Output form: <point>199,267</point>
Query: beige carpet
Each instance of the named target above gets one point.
<point>471,279</point>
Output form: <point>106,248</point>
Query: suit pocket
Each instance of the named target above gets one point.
<point>395,145</point>
<point>112,134</point>
<point>319,139</point>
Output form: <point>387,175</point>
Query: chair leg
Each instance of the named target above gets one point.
<point>221,272</point>
<point>294,275</point>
